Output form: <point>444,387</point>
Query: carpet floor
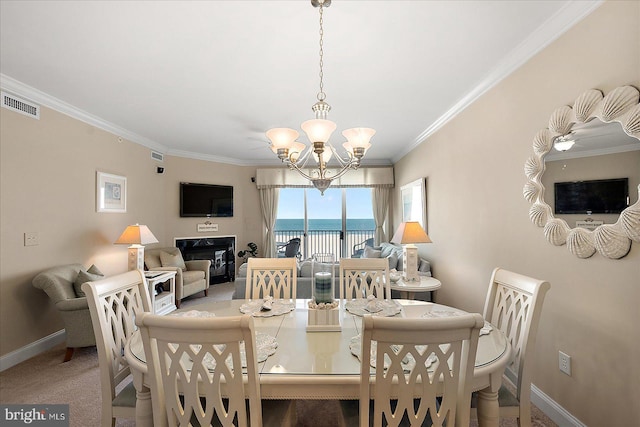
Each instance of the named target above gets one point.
<point>44,379</point>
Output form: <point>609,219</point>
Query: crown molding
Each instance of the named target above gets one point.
<point>569,15</point>
<point>20,89</point>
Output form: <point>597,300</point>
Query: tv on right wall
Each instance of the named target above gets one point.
<point>601,196</point>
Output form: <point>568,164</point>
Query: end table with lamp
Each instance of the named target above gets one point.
<point>408,234</point>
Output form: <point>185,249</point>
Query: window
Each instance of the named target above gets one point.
<point>333,223</point>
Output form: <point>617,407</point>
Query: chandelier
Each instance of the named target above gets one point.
<point>296,154</point>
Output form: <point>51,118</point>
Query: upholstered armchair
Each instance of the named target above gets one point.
<point>58,283</point>
<point>192,276</point>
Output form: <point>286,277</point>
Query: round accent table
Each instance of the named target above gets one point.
<point>408,289</point>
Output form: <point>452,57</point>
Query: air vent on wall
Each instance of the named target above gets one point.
<point>21,106</point>
<point>157,156</point>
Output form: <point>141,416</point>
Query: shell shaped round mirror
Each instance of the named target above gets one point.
<point>588,163</point>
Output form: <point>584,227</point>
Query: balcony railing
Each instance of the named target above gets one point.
<point>325,241</point>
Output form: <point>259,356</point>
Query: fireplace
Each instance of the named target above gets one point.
<point>219,250</point>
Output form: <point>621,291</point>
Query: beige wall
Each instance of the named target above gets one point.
<point>48,180</point>
<point>478,218</point>
<point>246,223</point>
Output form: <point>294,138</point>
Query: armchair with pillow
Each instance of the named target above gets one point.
<point>192,276</point>
<point>63,285</point>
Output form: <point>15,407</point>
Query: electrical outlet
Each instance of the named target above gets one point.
<point>31,239</point>
<point>565,363</point>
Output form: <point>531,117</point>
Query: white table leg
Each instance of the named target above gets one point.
<point>488,408</point>
<point>144,411</point>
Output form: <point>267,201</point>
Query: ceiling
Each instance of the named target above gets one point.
<point>207,79</point>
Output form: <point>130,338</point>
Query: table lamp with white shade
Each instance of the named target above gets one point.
<point>408,234</point>
<point>137,236</point>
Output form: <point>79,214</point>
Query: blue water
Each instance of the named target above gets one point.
<point>353,224</point>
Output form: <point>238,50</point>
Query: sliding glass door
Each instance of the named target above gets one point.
<point>334,223</point>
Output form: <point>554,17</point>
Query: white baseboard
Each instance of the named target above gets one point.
<point>557,413</point>
<point>33,349</point>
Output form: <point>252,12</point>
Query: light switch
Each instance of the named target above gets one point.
<point>31,238</point>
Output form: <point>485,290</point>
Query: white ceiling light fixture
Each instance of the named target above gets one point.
<point>296,154</point>
<point>564,142</point>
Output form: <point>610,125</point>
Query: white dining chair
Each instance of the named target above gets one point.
<point>112,302</point>
<point>361,277</point>
<point>276,277</point>
<point>513,305</point>
<point>423,371</point>
<point>198,376</point>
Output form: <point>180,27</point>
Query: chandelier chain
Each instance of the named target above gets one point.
<point>321,94</point>
<point>296,155</point>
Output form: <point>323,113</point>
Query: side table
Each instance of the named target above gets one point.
<point>408,290</point>
<point>165,301</point>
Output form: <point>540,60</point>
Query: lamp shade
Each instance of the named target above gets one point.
<point>410,232</point>
<point>136,235</point>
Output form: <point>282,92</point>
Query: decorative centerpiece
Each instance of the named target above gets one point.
<point>324,312</point>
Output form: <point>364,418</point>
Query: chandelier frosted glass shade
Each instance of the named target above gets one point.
<point>282,137</point>
<point>359,137</point>
<point>318,130</point>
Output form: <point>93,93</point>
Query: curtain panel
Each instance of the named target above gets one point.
<point>363,177</point>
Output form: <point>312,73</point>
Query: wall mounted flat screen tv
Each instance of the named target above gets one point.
<point>609,196</point>
<point>205,200</point>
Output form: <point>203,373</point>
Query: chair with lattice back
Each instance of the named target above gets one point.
<point>513,305</point>
<point>112,302</point>
<point>361,277</point>
<point>423,371</point>
<point>199,377</point>
<point>276,277</point>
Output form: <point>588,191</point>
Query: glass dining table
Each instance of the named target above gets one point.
<point>323,364</point>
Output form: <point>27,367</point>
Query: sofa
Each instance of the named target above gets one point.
<point>191,276</point>
<point>394,254</point>
<point>304,279</point>
<point>61,284</point>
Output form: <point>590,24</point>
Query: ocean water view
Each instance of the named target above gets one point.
<point>353,224</point>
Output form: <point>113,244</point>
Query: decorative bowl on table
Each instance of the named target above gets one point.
<point>394,277</point>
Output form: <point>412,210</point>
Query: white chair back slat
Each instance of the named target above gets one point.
<point>418,360</point>
<point>113,302</point>
<point>197,370</point>
<point>361,277</point>
<point>276,277</point>
<point>514,305</point>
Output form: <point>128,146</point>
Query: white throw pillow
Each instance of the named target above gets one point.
<point>369,252</point>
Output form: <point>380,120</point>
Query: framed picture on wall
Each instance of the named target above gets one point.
<point>111,192</point>
<point>414,202</point>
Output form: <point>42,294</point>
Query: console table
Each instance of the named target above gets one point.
<point>165,301</point>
